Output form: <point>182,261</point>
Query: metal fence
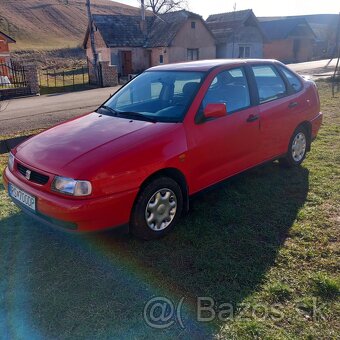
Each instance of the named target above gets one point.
<point>13,82</point>
<point>67,78</point>
<point>12,75</point>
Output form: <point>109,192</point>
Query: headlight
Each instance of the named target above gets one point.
<point>10,162</point>
<point>71,186</point>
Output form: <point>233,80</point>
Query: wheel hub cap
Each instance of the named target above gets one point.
<point>161,209</point>
<point>299,147</point>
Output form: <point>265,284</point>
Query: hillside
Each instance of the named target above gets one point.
<point>50,24</point>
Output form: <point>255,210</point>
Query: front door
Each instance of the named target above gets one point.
<point>126,63</point>
<point>224,146</point>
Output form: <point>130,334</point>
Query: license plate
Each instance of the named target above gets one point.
<point>22,196</point>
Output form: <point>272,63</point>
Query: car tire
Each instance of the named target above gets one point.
<point>297,148</point>
<point>157,209</point>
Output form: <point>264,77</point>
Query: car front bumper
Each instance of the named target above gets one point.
<point>83,215</point>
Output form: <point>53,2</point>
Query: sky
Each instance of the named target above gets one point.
<point>260,7</point>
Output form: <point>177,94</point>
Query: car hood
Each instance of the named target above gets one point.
<point>56,148</point>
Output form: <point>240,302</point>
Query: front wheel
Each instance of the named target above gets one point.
<point>297,148</point>
<point>157,209</point>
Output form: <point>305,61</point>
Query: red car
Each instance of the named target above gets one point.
<point>169,133</point>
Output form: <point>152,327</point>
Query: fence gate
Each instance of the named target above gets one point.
<point>13,82</point>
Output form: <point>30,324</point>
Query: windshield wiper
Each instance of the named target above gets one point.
<point>108,108</point>
<point>137,115</point>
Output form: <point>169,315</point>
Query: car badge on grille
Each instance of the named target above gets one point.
<point>28,174</point>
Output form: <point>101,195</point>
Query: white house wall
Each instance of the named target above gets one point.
<point>192,38</point>
<point>246,36</point>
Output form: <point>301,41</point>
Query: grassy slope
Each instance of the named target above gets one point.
<point>52,24</point>
<point>268,236</point>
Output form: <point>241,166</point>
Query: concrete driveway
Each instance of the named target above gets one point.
<point>30,113</point>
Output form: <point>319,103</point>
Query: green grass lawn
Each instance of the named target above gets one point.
<point>264,243</point>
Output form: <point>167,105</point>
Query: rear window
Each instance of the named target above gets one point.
<point>293,80</point>
<point>270,85</point>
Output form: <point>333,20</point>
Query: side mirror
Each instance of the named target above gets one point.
<point>215,111</point>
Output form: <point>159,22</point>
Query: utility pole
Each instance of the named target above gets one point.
<point>93,45</point>
<point>142,9</point>
<point>336,47</point>
<point>234,17</point>
<point>336,73</point>
<point>143,25</point>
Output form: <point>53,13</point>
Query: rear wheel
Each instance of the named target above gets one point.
<point>157,209</point>
<point>297,148</point>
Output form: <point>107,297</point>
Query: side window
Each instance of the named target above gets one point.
<point>270,85</point>
<point>293,80</point>
<point>231,88</point>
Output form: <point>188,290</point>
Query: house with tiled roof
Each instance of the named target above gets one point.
<point>324,27</point>
<point>238,34</point>
<point>289,39</point>
<point>133,44</point>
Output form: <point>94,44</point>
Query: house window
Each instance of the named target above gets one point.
<point>114,60</point>
<point>244,51</point>
<point>193,54</point>
<point>193,24</point>
<point>161,59</point>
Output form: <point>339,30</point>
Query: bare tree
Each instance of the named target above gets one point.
<point>165,6</point>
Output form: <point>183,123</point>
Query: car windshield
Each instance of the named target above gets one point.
<point>162,96</point>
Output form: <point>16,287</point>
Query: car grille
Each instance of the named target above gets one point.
<point>35,177</point>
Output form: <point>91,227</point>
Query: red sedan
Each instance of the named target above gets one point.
<point>169,133</point>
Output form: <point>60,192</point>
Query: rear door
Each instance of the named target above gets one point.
<point>273,106</point>
<point>279,108</point>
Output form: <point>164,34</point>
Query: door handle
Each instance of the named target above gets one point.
<point>293,104</point>
<point>252,118</point>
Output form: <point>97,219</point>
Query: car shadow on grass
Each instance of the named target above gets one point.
<point>97,285</point>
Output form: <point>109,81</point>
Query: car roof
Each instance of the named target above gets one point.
<point>207,65</point>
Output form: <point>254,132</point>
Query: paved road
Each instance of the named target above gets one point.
<point>316,69</point>
<point>31,113</point>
